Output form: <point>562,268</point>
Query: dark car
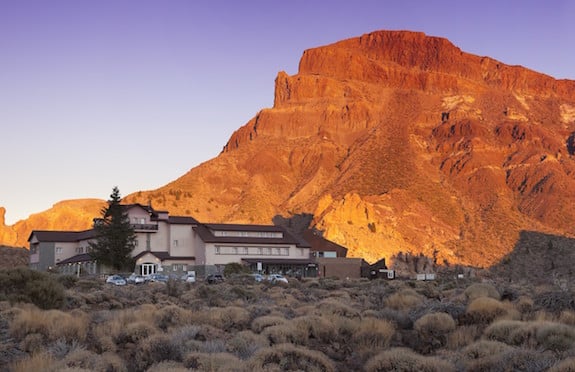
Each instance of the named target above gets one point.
<point>215,278</point>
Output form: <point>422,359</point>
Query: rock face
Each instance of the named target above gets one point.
<point>397,141</point>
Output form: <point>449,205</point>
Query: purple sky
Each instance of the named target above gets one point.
<point>134,93</point>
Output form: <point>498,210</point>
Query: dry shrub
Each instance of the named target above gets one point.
<point>554,301</point>
<point>155,349</point>
<point>403,359</point>
<point>213,362</point>
<point>35,362</point>
<point>555,336</point>
<point>168,365</point>
<point>483,349</point>
<point>373,334</point>
<point>51,324</point>
<point>326,329</point>
<point>134,333</point>
<point>567,317</point>
<point>567,365</point>
<point>477,290</point>
<point>524,305</point>
<point>289,332</point>
<point>90,361</point>
<point>463,336</point>
<point>399,318</point>
<point>504,330</point>
<point>259,324</point>
<point>172,316</point>
<point>227,318</point>
<point>288,357</point>
<point>434,324</point>
<point>404,300</point>
<point>334,306</point>
<point>543,335</point>
<point>432,330</point>
<point>484,310</point>
<point>513,359</point>
<point>245,343</point>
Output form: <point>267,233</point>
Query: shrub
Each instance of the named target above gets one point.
<point>403,300</point>
<point>213,362</point>
<point>84,360</point>
<point>286,333</point>
<point>35,362</point>
<point>524,305</point>
<point>434,324</point>
<point>567,365</point>
<point>169,365</point>
<point>245,343</point>
<point>483,349</point>
<point>52,324</point>
<point>462,336</point>
<point>373,334</point>
<point>334,306</point>
<point>484,310</point>
<point>171,316</point>
<point>259,324</point>
<point>287,357</point>
<point>29,286</point>
<point>513,359</point>
<point>155,349</point>
<point>503,330</point>
<point>228,318</point>
<point>477,290</point>
<point>555,336</point>
<point>554,301</point>
<point>432,330</point>
<point>402,359</point>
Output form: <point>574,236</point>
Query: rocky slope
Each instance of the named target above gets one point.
<point>397,141</point>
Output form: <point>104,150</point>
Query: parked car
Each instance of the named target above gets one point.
<point>189,277</point>
<point>258,277</point>
<point>277,278</point>
<point>136,279</point>
<point>215,278</point>
<point>116,280</point>
<point>161,278</point>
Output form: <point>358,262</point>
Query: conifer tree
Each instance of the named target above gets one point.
<point>115,238</point>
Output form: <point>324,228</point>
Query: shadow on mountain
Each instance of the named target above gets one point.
<point>297,223</point>
<point>538,258</point>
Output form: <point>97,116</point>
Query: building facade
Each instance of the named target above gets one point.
<point>175,245</point>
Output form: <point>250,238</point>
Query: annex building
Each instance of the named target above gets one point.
<point>174,245</point>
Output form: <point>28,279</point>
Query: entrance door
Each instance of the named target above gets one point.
<point>148,269</point>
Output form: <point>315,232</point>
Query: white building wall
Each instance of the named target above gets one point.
<point>63,251</point>
<point>182,241</point>
<point>221,254</point>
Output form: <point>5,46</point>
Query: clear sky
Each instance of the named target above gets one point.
<point>134,93</point>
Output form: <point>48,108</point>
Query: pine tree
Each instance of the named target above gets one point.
<point>115,238</point>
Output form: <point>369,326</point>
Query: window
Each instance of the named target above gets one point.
<point>58,250</point>
<point>217,250</point>
<point>175,243</point>
<point>184,267</point>
<point>135,242</point>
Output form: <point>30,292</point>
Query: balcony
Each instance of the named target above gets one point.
<point>147,227</point>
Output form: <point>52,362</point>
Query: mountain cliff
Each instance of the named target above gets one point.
<point>397,141</point>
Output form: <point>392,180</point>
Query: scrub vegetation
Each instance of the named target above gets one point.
<point>309,325</point>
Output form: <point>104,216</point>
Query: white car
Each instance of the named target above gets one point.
<point>116,280</point>
<point>189,278</point>
<point>277,278</point>
<point>136,279</point>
